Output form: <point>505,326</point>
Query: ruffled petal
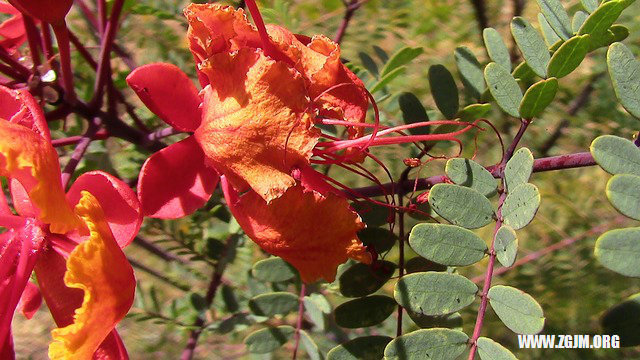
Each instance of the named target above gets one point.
<point>30,301</point>
<point>98,267</point>
<point>257,123</point>
<point>32,160</point>
<point>50,11</point>
<point>174,182</point>
<point>12,32</point>
<point>19,250</point>
<point>112,348</point>
<point>121,206</point>
<point>168,93</point>
<point>312,232</point>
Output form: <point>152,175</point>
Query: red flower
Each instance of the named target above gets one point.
<point>73,241</point>
<point>12,32</point>
<point>49,11</point>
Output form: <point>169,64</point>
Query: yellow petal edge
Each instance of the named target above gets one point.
<point>98,267</point>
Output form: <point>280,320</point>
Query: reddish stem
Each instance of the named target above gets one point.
<point>296,336</point>
<point>78,152</point>
<point>33,40</point>
<point>62,36</point>
<point>47,42</point>
<point>100,135</point>
<point>492,253</point>
<point>105,52</point>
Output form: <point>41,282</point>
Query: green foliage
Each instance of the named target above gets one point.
<point>461,206</point>
<point>521,206</point>
<point>556,16</point>
<point>273,269</point>
<point>618,251</point>
<point>616,155</point>
<point>470,71</point>
<point>532,45</point>
<point>503,88</point>
<point>506,245</point>
<point>381,239</point>
<point>436,344</point>
<point>364,312</point>
<point>444,90</point>
<point>362,279</point>
<point>276,303</point>
<point>361,348</point>
<point>447,244</point>
<point>268,339</point>
<point>452,321</point>
<point>496,48</point>
<point>568,56</point>
<point>625,76</point>
<point>623,191</point>
<point>518,169</point>
<point>434,293</point>
<point>491,350</point>
<point>400,58</point>
<point>468,173</point>
<point>538,97</point>
<point>517,309</point>
<point>621,320</point>
<point>413,112</point>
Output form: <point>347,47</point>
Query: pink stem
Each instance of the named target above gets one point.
<point>105,52</point>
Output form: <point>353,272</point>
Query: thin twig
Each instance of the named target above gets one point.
<point>296,336</point>
<point>157,274</point>
<point>105,52</point>
<point>351,8</point>
<point>158,251</point>
<point>78,152</point>
<point>568,161</point>
<point>492,253</point>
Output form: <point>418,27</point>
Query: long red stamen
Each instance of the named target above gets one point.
<point>267,46</point>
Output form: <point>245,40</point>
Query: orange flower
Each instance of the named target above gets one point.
<point>73,245</point>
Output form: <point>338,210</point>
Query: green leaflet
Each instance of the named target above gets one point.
<point>362,348</point>
<point>435,344</point>
<point>624,70</point>
<point>461,206</point>
<point>578,19</point>
<point>550,36</point>
<point>506,245</point>
<point>600,20</point>
<point>470,71</point>
<point>496,48</point>
<point>364,312</point>
<point>557,17</point>
<point>622,320</point>
<point>619,250</point>
<point>276,303</point>
<point>469,173</point>
<point>521,205</point>
<point>623,191</point>
<point>616,155</point>
<point>518,169</point>
<point>491,350</point>
<point>447,244</point>
<point>531,45</point>
<point>503,88</point>
<point>517,309</point>
<point>444,90</point>
<point>273,269</point>
<point>568,56</point>
<point>434,293</point>
<point>538,97</point>
<point>362,279</point>
<point>399,59</point>
<point>268,339</point>
<point>413,112</point>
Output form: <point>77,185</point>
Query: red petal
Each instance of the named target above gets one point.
<point>50,11</point>
<point>4,206</point>
<point>120,203</point>
<point>6,347</point>
<point>18,106</point>
<point>169,93</point>
<point>30,301</point>
<point>112,348</point>
<point>174,182</point>
<point>312,232</point>
<point>21,201</point>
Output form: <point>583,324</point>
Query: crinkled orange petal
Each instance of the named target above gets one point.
<point>32,160</point>
<point>98,267</point>
<point>257,124</point>
<point>312,232</point>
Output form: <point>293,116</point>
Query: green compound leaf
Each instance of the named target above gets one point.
<point>616,155</point>
<point>444,90</point>
<point>550,36</point>
<point>469,173</point>
<point>432,344</point>
<point>506,245</point>
<point>521,205</point>
<point>531,44</point>
<point>491,350</point>
<point>400,58</point>
<point>368,63</point>
<point>600,20</point>
<point>447,244</point>
<point>624,70</point>
<point>623,191</point>
<point>523,73</point>
<point>472,112</point>
<point>273,269</point>
<point>619,250</point>
<point>517,309</point>
<point>615,33</point>
<point>381,239</point>
<point>504,88</point>
<point>386,79</point>
<point>470,71</point>
<point>557,17</point>
<point>310,346</point>
<point>362,279</point>
<point>569,56</point>
<point>578,19</point>
<point>364,312</point>
<point>461,206</point>
<point>268,339</point>
<point>623,319</point>
<point>451,321</point>
<point>496,48</point>
<point>276,303</point>
<point>362,348</point>
<point>434,293</point>
<point>518,169</point>
<point>371,214</point>
<point>538,97</point>
<point>590,5</point>
<point>413,112</point>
